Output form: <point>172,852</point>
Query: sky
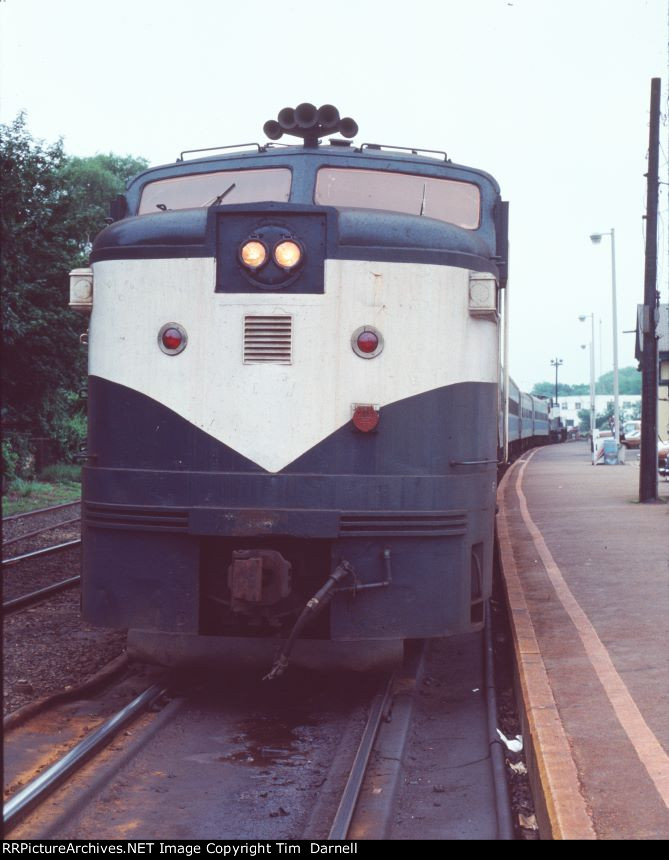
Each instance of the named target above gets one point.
<point>550,96</point>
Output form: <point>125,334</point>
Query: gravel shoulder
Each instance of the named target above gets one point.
<point>48,648</point>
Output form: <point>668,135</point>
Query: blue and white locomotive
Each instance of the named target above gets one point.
<point>294,358</point>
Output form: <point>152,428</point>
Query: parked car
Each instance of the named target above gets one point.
<point>663,458</point>
<point>630,427</point>
<point>632,439</point>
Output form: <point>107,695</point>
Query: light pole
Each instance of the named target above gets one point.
<point>583,318</point>
<point>596,238</point>
<point>556,362</point>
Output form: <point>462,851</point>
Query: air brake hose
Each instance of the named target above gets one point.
<point>313,607</point>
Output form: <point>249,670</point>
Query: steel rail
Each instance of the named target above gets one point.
<point>497,753</point>
<point>37,553</point>
<point>17,603</point>
<point>39,788</point>
<point>40,531</point>
<point>351,793</point>
<point>48,510</point>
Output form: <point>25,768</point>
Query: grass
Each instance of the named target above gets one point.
<point>59,473</point>
<point>58,483</point>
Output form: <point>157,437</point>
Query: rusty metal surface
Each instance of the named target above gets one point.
<point>259,576</point>
<point>245,579</point>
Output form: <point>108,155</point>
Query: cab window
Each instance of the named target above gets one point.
<point>444,199</point>
<point>223,187</point>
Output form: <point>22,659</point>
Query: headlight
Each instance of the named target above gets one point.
<point>287,254</point>
<point>253,254</point>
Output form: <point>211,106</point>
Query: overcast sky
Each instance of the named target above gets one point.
<point>550,96</point>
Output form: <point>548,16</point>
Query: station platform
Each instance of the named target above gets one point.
<point>586,573</point>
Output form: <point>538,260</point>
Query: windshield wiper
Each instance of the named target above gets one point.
<point>218,199</point>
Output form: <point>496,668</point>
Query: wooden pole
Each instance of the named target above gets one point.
<point>649,380</point>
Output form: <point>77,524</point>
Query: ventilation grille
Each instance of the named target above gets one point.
<point>144,519</point>
<point>268,340</point>
<point>403,524</point>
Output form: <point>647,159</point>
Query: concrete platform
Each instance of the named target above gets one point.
<point>586,570</point>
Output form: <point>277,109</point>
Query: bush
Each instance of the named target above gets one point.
<point>21,487</point>
<point>60,473</point>
<point>65,422</point>
<point>18,459</point>
<point>10,461</point>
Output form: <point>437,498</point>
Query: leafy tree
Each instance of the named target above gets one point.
<point>602,419</point>
<point>544,389</point>
<point>584,420</point>
<point>52,208</point>
<point>40,338</point>
<point>547,389</point>
<point>90,184</point>
<point>629,381</point>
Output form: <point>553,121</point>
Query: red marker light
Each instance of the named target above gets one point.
<point>365,418</point>
<point>172,338</point>
<point>367,341</point>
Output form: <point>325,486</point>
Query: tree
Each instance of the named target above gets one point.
<point>629,382</point>
<point>603,419</point>
<point>584,420</point>
<point>52,208</point>
<point>40,338</point>
<point>90,184</point>
<point>547,389</point>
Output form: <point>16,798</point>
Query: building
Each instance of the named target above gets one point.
<point>571,405</point>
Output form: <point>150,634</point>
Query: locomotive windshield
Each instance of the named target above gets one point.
<point>444,199</point>
<point>224,186</point>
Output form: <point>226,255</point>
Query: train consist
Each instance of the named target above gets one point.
<point>532,421</point>
<point>294,401</point>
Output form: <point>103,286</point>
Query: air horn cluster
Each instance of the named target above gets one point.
<point>309,122</point>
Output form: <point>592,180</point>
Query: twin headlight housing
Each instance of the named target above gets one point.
<point>254,253</point>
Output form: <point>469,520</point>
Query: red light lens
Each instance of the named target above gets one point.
<point>365,418</point>
<point>367,341</point>
<point>172,338</point>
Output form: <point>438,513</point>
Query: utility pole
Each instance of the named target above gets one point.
<point>648,466</point>
<point>556,362</point>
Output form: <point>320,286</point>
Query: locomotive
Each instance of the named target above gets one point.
<point>293,400</point>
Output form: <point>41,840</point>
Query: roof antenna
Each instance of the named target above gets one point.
<point>309,122</point>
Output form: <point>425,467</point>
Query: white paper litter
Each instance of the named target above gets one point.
<point>514,745</point>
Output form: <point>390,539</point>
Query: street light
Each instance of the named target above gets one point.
<point>583,318</point>
<point>596,238</point>
<point>556,362</point>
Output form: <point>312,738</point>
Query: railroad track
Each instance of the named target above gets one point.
<point>40,553</point>
<point>36,532</point>
<point>44,591</point>
<point>30,524</point>
<point>33,597</point>
<point>43,786</point>
<point>225,759</point>
<point>24,515</point>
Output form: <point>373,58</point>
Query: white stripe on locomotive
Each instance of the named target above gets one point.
<point>272,414</point>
